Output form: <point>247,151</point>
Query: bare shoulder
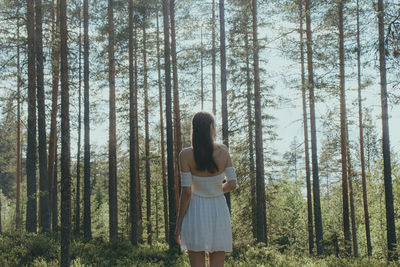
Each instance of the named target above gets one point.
<point>186,153</point>
<point>223,148</point>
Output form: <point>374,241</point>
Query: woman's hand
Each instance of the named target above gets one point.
<point>177,235</point>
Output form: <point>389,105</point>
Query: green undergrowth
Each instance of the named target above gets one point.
<point>44,250</point>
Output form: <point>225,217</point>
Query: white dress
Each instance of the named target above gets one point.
<point>207,223</point>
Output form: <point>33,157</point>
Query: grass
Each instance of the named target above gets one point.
<point>44,250</point>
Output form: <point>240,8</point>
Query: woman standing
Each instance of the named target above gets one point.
<point>203,223</point>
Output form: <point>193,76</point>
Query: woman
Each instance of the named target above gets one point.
<point>203,223</point>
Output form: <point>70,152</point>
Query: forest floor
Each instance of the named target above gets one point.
<point>44,250</point>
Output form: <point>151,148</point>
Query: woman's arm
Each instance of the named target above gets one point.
<point>230,184</point>
<point>186,194</point>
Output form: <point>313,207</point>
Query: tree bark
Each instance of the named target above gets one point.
<point>65,143</point>
<point>224,107</point>
<point>343,135</point>
<point>18,174</point>
<point>250,139</point>
<point>31,207</point>
<point>305,128</point>
<point>163,167</point>
<point>201,71</point>
<point>55,62</point>
<point>260,185</point>
<point>387,169</point>
<point>351,193</point>
<point>78,154</point>
<point>147,138</point>
<point>132,126</point>
<point>87,221</point>
<point>213,59</point>
<point>314,155</point>
<point>170,153</point>
<point>360,126</point>
<point>138,185</point>
<point>112,149</point>
<point>177,113</point>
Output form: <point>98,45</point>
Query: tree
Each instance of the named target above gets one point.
<point>112,149</point>
<point>314,155</point>
<point>132,126</point>
<point>87,228</point>
<point>260,185</point>
<point>18,174</point>
<point>213,57</point>
<point>31,208</point>
<point>387,169</point>
<point>177,113</point>
<point>343,134</point>
<point>147,139</point>
<point>305,128</point>
<point>360,126</point>
<point>78,153</point>
<point>65,142</point>
<point>55,62</point>
<point>170,154</point>
<point>224,106</point>
<point>163,167</point>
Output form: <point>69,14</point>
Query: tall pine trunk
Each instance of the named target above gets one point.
<point>224,106</point>
<point>31,206</point>
<point>177,112</point>
<point>351,193</point>
<point>314,156</point>
<point>112,145</point>
<point>78,153</point>
<point>360,126</point>
<point>18,174</point>
<point>147,138</point>
<point>163,167</point>
<point>343,135</point>
<point>387,169</point>
<point>170,152</point>
<point>213,59</point>
<point>55,62</point>
<point>260,185</point>
<point>305,128</point>
<point>132,126</point>
<point>250,138</point>
<point>65,143</point>
<point>87,221</point>
<point>138,185</point>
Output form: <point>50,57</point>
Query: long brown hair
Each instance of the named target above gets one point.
<point>202,142</point>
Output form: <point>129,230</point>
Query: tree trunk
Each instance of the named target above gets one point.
<point>224,107</point>
<point>31,207</point>
<point>390,223</point>
<point>250,139</point>
<point>138,185</point>
<point>343,139</point>
<point>55,62</point>
<point>78,154</point>
<point>112,146</point>
<point>213,59</point>
<point>314,155</point>
<point>305,128</point>
<point>87,221</point>
<point>147,138</point>
<point>65,143</point>
<point>260,186</point>
<point>351,192</point>
<point>163,167</point>
<point>170,153</point>
<point>360,126</point>
<point>201,71</point>
<point>18,174</point>
<point>177,115</point>
<point>132,126</point>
